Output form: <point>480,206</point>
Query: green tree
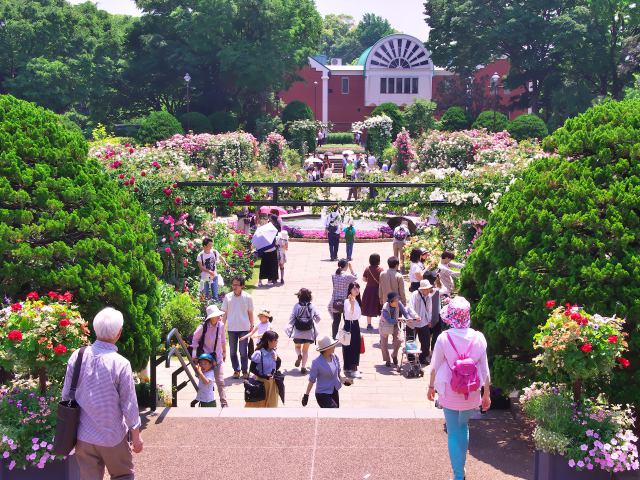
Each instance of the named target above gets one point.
<point>568,230</point>
<point>195,122</point>
<point>158,126</point>
<point>492,121</point>
<point>392,111</point>
<point>296,110</point>
<point>224,121</point>
<point>455,118</point>
<point>527,126</point>
<point>64,225</point>
<point>418,117</point>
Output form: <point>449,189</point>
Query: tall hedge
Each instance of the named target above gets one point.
<point>224,121</point>
<point>64,225</point>
<point>491,120</point>
<point>296,110</point>
<point>195,122</point>
<point>158,126</point>
<point>527,126</point>
<point>454,118</point>
<point>392,111</point>
<point>569,230</point>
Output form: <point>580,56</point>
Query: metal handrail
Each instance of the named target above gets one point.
<point>179,351</point>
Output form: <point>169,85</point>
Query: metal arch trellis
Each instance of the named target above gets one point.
<point>277,201</point>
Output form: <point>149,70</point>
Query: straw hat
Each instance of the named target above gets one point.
<point>326,342</point>
<point>424,284</point>
<point>266,313</point>
<point>213,311</point>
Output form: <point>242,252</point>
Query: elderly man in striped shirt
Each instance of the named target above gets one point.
<point>108,404</point>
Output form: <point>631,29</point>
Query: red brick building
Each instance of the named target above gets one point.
<point>398,69</point>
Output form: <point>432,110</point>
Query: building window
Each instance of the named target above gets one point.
<point>345,85</point>
<point>383,85</point>
<point>399,85</point>
<point>391,85</point>
<point>414,85</point>
<point>407,85</point>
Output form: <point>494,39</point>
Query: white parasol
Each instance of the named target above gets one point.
<point>264,237</point>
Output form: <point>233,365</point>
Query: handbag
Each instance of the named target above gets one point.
<point>68,416</point>
<point>344,336</point>
<point>361,345</point>
<point>254,390</point>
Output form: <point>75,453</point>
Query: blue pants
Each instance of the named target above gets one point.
<point>349,250</point>
<point>334,241</point>
<point>458,439</point>
<point>244,354</point>
<point>211,289</point>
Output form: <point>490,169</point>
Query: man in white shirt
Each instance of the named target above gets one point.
<point>207,260</point>
<point>238,316</point>
<point>446,274</point>
<point>421,303</point>
<point>332,225</point>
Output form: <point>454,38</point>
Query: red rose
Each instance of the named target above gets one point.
<point>247,198</point>
<point>60,349</point>
<point>16,307</point>
<point>15,335</point>
<point>235,184</point>
<point>126,183</point>
<point>131,150</point>
<point>67,297</point>
<point>52,295</point>
<point>121,176</point>
<point>132,180</point>
<point>550,303</point>
<point>623,362</point>
<point>576,316</point>
<point>64,323</point>
<point>177,200</point>
<point>143,173</point>
<point>613,339</point>
<point>136,189</point>
<point>586,348</point>
<point>33,296</point>
<point>231,204</point>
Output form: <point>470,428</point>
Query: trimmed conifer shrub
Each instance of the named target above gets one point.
<point>454,118</point>
<point>65,226</point>
<point>296,110</point>
<point>492,121</point>
<point>527,126</point>
<point>158,126</point>
<point>568,230</point>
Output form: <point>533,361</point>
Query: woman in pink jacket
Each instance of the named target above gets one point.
<point>457,342</point>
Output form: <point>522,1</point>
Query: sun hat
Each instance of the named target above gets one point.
<point>213,311</point>
<point>326,342</point>
<point>284,234</point>
<point>391,296</point>
<point>206,356</point>
<point>457,313</point>
<point>266,313</point>
<point>425,284</point>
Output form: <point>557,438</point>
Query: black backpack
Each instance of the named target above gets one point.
<point>304,320</point>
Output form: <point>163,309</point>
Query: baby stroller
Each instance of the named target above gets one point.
<point>410,354</point>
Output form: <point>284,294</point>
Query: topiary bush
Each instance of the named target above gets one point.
<point>568,230</point>
<point>527,126</point>
<point>492,121</point>
<point>392,111</point>
<point>224,121</point>
<point>158,126</point>
<point>296,110</point>
<point>418,117</point>
<point>454,118</point>
<point>195,122</point>
<point>178,310</point>
<point>340,138</point>
<point>64,225</point>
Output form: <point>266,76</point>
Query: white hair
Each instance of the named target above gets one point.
<point>107,323</point>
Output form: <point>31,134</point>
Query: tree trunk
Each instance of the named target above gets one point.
<point>42,380</point>
<point>577,390</point>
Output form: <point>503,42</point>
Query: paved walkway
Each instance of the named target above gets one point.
<point>308,266</point>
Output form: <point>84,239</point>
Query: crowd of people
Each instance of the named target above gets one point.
<point>428,314</point>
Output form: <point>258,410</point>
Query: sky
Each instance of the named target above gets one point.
<point>406,16</point>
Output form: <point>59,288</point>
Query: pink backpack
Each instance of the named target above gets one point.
<point>464,373</point>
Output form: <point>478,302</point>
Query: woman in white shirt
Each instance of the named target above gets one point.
<point>352,313</point>
<point>417,268</point>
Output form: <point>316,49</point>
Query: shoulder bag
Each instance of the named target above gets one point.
<point>338,303</point>
<point>68,416</point>
<point>254,389</point>
<point>344,336</point>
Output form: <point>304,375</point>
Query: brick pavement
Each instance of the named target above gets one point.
<point>308,266</point>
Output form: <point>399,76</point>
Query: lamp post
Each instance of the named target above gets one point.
<point>495,79</point>
<point>315,97</point>
<point>187,78</point>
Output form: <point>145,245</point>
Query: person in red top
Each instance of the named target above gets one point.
<point>371,306</point>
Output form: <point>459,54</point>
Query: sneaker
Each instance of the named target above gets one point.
<point>348,373</point>
<point>245,375</point>
<point>236,374</point>
<point>303,371</point>
<point>369,327</point>
<point>395,360</point>
<point>387,363</point>
<point>297,364</point>
<point>356,374</point>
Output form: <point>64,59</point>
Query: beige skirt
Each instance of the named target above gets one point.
<point>271,395</point>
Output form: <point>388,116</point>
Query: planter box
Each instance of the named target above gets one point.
<point>58,470</point>
<point>555,467</point>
